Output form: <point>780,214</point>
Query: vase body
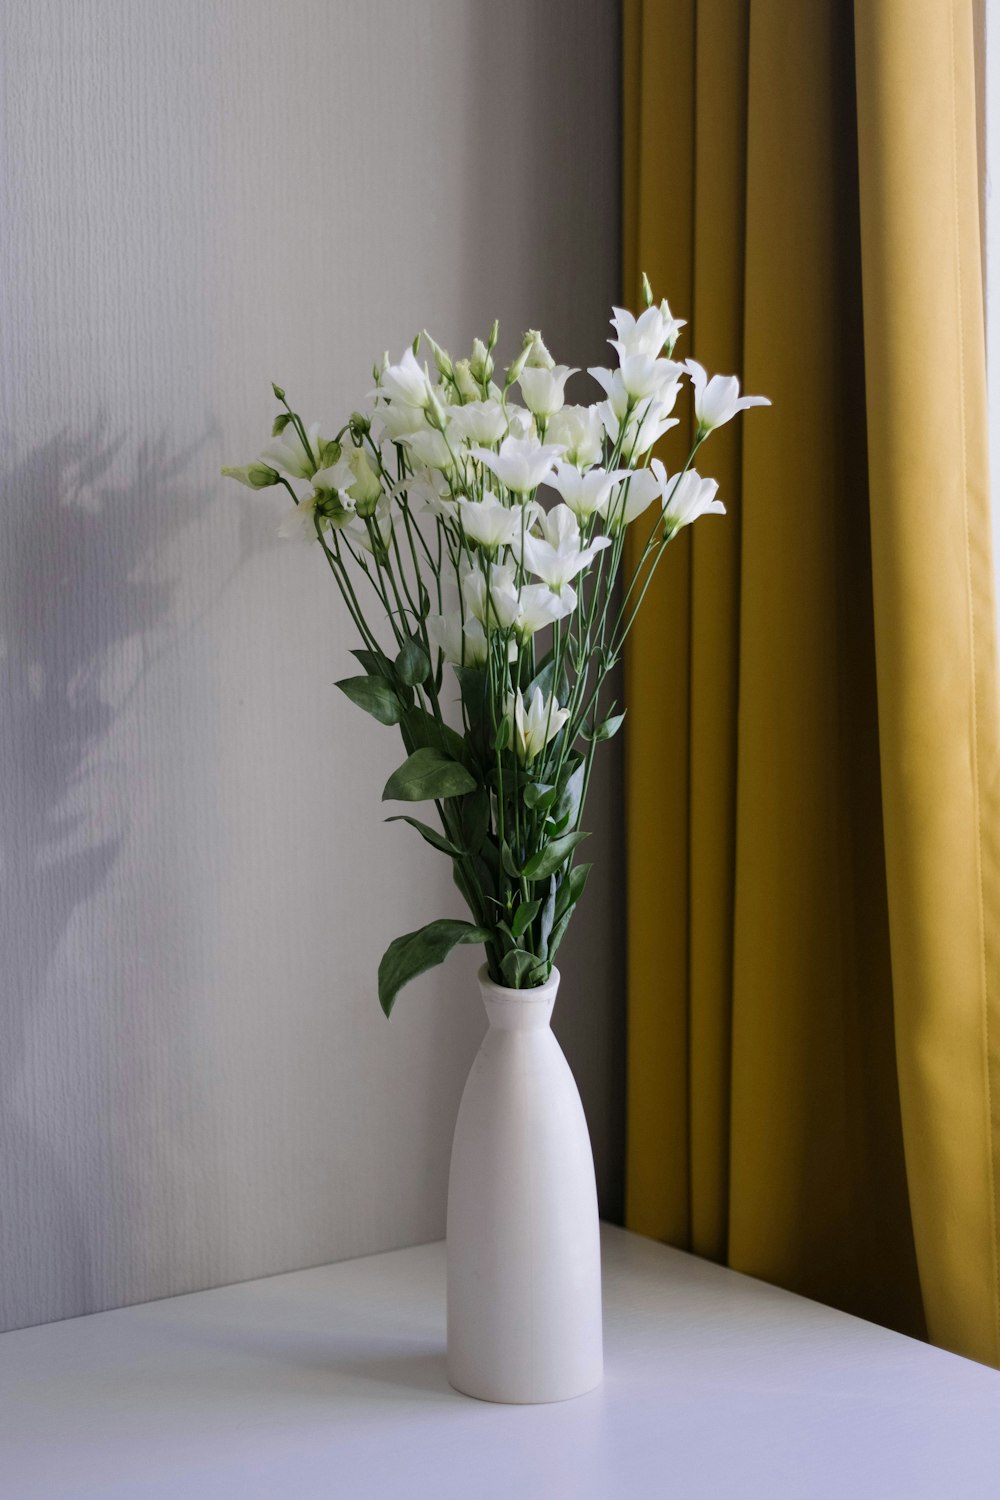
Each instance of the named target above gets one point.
<point>524,1262</point>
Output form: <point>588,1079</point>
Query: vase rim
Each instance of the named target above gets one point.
<point>540,994</point>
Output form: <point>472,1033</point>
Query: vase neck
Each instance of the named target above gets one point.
<point>519,1010</point>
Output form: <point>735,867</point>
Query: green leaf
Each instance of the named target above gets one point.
<point>515,965</point>
<point>559,932</point>
<point>413,664</point>
<point>548,860</point>
<point>487,870</point>
<point>524,916</point>
<point>375,696</point>
<point>507,860</point>
<point>374,663</point>
<point>545,679</point>
<point>538,795</point>
<point>464,884</point>
<point>571,888</point>
<point>548,916</point>
<point>567,804</point>
<point>281,421</point>
<point>472,686</point>
<point>489,859</point>
<point>425,732</point>
<point>433,837</point>
<point>475,814</point>
<point>427,775</point>
<point>610,727</point>
<point>416,952</point>
<point>502,737</point>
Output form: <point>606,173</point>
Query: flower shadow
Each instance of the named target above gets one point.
<point>83,613</point>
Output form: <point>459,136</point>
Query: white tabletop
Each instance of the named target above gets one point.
<point>330,1383</point>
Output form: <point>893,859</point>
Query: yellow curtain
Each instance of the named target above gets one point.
<point>813,756</point>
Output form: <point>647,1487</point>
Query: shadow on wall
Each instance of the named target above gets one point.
<point>83,616</point>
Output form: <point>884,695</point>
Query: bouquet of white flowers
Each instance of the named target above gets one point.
<point>477,544</point>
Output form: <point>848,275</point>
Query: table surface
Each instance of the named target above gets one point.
<point>331,1382</point>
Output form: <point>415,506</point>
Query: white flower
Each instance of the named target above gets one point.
<point>580,430</point>
<point>686,498</point>
<point>288,455</point>
<point>400,420</point>
<point>544,391</point>
<point>718,399</point>
<point>534,726</point>
<point>520,422</point>
<point>585,494</point>
<point>636,491</point>
<point>618,401</point>
<point>538,606</point>
<point>406,382</point>
<point>333,480</point>
<point>383,521</point>
<point>522,463</point>
<point>645,427</point>
<point>640,378</point>
<point>430,449</point>
<point>333,506</point>
<point>491,524</point>
<point>440,504</point>
<point>299,523</point>
<point>495,605</point>
<point>646,334</point>
<point>481,422</point>
<point>643,376</point>
<point>366,486</point>
<point>465,645</point>
<point>428,487</point>
<point>556,557</point>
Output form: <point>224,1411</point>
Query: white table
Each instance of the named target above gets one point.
<point>330,1383</point>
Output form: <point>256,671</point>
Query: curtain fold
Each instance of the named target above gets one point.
<point>935,638</point>
<point>811,759</point>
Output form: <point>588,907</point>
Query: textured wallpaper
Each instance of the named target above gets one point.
<point>197,197</point>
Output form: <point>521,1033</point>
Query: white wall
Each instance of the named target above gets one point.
<point>196,1083</point>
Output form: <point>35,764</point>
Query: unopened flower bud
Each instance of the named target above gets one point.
<point>254,476</point>
<point>360,425</point>
<point>366,488</point>
<point>481,363</point>
<point>465,381</point>
<point>539,357</point>
<point>514,372</point>
<point>441,358</point>
<point>434,411</point>
<point>279,393</point>
<point>647,290</point>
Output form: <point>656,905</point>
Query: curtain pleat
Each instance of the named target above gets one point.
<point>935,638</point>
<point>809,697</point>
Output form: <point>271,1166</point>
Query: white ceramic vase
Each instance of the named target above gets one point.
<point>524,1263</point>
